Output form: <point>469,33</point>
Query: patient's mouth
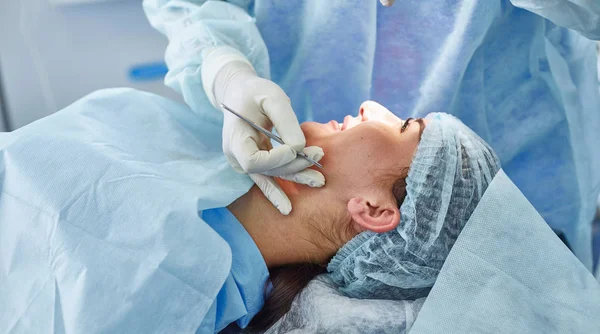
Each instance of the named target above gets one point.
<point>347,122</point>
<point>335,125</point>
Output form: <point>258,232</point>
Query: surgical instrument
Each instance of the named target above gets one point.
<point>270,135</point>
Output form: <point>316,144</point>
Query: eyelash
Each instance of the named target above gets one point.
<point>405,125</point>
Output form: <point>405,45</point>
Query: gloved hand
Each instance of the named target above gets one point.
<point>387,3</point>
<point>236,85</point>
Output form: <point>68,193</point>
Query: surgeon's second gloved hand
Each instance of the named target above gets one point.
<point>229,78</point>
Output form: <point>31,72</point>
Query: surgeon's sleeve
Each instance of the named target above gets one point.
<point>580,15</point>
<point>205,32</point>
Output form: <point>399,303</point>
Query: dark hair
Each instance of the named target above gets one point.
<point>287,281</point>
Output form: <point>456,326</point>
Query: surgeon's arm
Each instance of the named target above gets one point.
<point>216,55</point>
<point>580,15</point>
<point>201,31</point>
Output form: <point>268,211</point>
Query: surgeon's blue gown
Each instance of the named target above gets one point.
<point>518,77</point>
<point>112,220</point>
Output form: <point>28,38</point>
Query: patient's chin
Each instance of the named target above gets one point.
<point>315,132</point>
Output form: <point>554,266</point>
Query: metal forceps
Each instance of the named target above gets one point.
<point>270,135</point>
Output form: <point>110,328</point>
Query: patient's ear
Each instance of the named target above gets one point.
<point>372,216</point>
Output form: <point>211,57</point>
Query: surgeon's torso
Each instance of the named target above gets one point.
<point>507,73</point>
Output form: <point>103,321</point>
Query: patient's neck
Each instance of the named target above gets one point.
<point>280,239</point>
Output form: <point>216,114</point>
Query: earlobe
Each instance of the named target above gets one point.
<point>373,217</point>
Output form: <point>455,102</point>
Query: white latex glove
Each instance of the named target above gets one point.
<point>387,3</point>
<point>236,85</point>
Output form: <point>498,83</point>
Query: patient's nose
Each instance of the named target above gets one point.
<point>373,111</point>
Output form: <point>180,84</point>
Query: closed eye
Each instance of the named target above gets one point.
<point>405,125</point>
<point>409,121</point>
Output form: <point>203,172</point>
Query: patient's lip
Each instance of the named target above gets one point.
<point>335,125</point>
<point>347,120</point>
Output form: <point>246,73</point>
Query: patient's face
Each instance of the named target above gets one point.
<point>364,148</point>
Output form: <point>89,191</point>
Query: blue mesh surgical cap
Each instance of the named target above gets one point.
<point>450,171</point>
